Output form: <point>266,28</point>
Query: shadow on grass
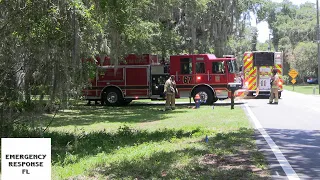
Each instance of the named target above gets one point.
<point>87,115</point>
<point>225,156</point>
<point>159,165</point>
<point>68,148</point>
<point>134,113</point>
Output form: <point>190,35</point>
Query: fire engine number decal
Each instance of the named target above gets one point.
<point>187,79</point>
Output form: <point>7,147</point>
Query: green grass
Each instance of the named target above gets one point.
<point>151,117</point>
<point>141,141</point>
<point>304,89</point>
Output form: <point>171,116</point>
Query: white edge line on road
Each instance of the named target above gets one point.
<point>291,174</point>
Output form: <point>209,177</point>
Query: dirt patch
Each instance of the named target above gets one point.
<point>240,161</point>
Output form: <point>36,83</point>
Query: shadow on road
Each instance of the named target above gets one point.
<point>258,97</point>
<point>300,148</point>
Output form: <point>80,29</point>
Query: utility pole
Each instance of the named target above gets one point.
<point>318,43</point>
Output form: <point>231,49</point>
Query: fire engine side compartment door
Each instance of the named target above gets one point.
<point>201,69</point>
<point>137,81</point>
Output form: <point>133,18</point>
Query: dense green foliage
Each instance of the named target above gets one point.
<point>294,32</point>
<point>43,42</point>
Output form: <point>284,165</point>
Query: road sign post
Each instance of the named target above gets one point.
<point>293,74</point>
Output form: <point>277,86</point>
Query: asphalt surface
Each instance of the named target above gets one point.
<point>294,126</point>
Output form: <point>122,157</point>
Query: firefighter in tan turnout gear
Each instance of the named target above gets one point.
<point>274,82</point>
<point>170,91</point>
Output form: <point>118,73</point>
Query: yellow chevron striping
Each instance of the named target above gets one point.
<point>248,63</point>
<point>252,72</point>
<point>279,67</point>
<point>252,87</point>
<point>252,81</point>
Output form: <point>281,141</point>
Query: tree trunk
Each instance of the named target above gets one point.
<point>54,82</point>
<point>219,45</point>
<point>28,77</point>
<point>194,36</point>
<point>115,47</point>
<point>2,121</point>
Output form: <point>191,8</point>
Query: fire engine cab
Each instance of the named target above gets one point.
<point>257,70</point>
<point>143,77</point>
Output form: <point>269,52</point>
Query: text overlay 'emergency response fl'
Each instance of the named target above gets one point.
<point>26,158</point>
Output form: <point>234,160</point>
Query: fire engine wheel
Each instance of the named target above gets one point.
<point>206,95</point>
<point>112,97</point>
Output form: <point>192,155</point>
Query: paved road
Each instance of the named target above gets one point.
<point>294,125</point>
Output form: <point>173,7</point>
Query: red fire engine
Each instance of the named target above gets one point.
<point>143,77</point>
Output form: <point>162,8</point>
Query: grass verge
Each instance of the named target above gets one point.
<point>304,89</point>
<point>143,142</point>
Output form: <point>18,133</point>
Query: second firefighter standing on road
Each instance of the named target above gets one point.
<point>274,82</point>
<point>170,91</point>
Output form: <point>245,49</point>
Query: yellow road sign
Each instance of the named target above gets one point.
<point>293,81</point>
<point>293,73</point>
